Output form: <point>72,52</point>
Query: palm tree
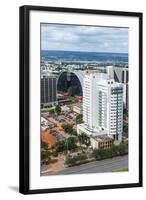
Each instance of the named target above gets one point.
<point>84,139</point>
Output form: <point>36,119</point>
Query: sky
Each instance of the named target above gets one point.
<point>84,38</point>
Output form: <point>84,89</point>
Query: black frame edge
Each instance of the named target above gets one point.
<point>82,10</point>
<point>83,188</point>
<point>141,99</point>
<point>24,99</point>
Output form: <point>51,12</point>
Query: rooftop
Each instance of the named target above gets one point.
<point>48,138</point>
<point>103,138</point>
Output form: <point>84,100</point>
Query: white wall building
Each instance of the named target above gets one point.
<point>89,100</point>
<point>110,107</point>
<point>102,106</point>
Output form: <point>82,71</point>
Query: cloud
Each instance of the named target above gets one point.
<point>83,38</point>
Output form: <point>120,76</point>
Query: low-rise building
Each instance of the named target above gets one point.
<point>44,124</point>
<point>78,109</point>
<point>65,108</point>
<point>102,141</point>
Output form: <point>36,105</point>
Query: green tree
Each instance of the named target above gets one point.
<point>115,150</point>
<point>78,159</point>
<point>70,143</point>
<point>125,113</point>
<point>74,132</point>
<point>45,155</point>
<point>58,109</point>
<point>84,139</point>
<point>69,161</point>
<point>68,128</point>
<point>79,119</point>
<point>44,145</point>
<point>125,128</point>
<point>123,148</point>
<point>59,146</point>
<point>51,111</point>
<point>101,153</point>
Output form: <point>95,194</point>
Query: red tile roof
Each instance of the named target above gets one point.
<point>48,138</point>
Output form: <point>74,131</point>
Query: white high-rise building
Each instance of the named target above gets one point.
<point>102,106</point>
<point>89,101</point>
<point>110,107</point>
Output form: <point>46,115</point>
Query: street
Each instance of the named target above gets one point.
<point>107,165</point>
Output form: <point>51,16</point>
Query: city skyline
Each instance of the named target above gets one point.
<point>84,98</point>
<point>84,119</point>
<point>84,38</point>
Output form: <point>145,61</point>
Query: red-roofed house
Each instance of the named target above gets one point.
<point>48,138</point>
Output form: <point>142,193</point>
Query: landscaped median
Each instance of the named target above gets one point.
<point>97,154</point>
<point>77,160</point>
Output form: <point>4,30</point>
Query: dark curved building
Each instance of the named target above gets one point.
<point>71,83</point>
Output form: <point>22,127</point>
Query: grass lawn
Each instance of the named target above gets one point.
<point>125,169</point>
<point>47,109</point>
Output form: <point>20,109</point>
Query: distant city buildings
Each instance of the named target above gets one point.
<point>48,90</point>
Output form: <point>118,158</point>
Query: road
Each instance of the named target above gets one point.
<point>107,165</point>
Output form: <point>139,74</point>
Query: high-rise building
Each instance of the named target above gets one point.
<point>102,106</point>
<point>90,100</point>
<point>48,90</point>
<point>120,75</point>
<point>110,107</point>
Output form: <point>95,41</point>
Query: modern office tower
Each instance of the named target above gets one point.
<point>48,90</point>
<point>102,106</point>
<point>120,75</point>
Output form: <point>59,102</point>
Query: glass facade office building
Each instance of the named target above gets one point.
<point>48,90</point>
